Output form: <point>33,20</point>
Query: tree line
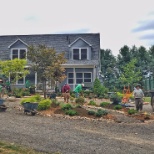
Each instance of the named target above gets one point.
<point>131,66</point>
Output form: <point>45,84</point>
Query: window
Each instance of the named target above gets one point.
<point>87,77</point>
<point>18,53</point>
<point>13,80</point>
<point>80,54</point>
<point>70,78</point>
<point>80,77</point>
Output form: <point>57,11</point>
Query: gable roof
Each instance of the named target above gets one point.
<point>16,42</point>
<point>60,42</point>
<point>79,39</point>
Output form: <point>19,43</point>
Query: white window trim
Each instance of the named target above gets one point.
<point>18,52</point>
<point>79,53</point>
<point>76,77</point>
<point>16,83</point>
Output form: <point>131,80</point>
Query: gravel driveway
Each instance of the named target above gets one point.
<point>75,136</point>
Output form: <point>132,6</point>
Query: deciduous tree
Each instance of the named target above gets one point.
<point>14,68</point>
<point>47,63</point>
<point>130,74</point>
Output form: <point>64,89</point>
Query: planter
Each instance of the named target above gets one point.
<point>1,101</point>
<point>3,108</point>
<point>32,90</point>
<point>53,96</point>
<point>30,107</point>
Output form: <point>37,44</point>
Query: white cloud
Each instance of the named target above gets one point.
<point>114,20</point>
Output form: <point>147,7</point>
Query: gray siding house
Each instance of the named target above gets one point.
<point>82,54</point>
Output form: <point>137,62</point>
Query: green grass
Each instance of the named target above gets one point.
<point>11,148</point>
<point>147,99</point>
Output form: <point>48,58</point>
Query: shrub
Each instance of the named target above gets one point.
<point>100,97</point>
<point>18,95</point>
<point>87,92</point>
<point>77,106</point>
<point>117,107</point>
<point>72,99</point>
<point>115,98</point>
<point>92,103</point>
<point>106,96</point>
<point>44,104</point>
<point>72,94</point>
<point>37,97</point>
<point>30,99</point>
<point>66,107</point>
<point>91,112</point>
<point>26,92</point>
<point>132,111</point>
<point>104,104</point>
<point>120,94</point>
<point>90,97</point>
<point>98,89</point>
<point>100,112</point>
<point>54,101</point>
<point>147,99</point>
<point>71,112</point>
<point>86,95</point>
<point>80,100</point>
<point>17,92</point>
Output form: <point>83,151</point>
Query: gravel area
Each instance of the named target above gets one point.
<point>75,136</point>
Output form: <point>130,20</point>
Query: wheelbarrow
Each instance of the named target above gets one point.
<point>2,106</point>
<point>30,107</point>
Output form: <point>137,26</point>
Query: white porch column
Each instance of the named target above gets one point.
<point>74,80</point>
<point>35,80</point>
<point>94,74</point>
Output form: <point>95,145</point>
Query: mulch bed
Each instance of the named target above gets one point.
<point>83,112</point>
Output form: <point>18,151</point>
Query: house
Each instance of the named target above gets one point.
<point>82,54</point>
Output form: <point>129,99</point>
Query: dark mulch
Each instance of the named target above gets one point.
<point>112,115</point>
<point>80,112</point>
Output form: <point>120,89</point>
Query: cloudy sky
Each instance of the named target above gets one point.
<point>119,22</point>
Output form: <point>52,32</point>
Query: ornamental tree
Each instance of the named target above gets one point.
<point>15,69</point>
<point>98,89</point>
<point>130,74</point>
<point>47,63</point>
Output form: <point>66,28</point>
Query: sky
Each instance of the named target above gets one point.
<point>119,22</point>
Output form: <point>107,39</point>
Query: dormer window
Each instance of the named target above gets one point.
<point>18,53</point>
<point>80,54</point>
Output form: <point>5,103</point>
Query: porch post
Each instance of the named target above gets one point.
<point>35,80</point>
<point>94,74</point>
<point>74,81</point>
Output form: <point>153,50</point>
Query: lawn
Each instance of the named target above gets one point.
<point>11,148</point>
<point>147,99</point>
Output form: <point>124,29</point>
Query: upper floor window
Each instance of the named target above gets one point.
<point>18,53</point>
<point>80,54</point>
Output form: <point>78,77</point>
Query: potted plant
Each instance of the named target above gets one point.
<point>115,98</point>
<point>2,106</point>
<point>32,89</point>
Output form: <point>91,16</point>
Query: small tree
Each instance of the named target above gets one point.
<point>98,89</point>
<point>130,73</point>
<point>47,63</point>
<point>14,68</point>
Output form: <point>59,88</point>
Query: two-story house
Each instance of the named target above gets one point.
<point>82,54</point>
